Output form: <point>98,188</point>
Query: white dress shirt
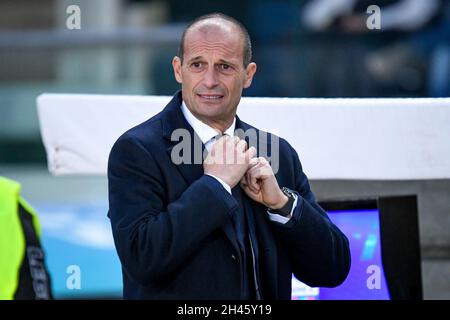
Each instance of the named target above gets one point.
<point>208,137</point>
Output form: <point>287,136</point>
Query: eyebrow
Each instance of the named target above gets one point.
<point>196,58</point>
<point>221,60</point>
<point>227,62</point>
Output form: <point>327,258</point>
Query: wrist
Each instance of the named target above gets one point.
<point>281,203</point>
<point>286,206</point>
<point>224,184</point>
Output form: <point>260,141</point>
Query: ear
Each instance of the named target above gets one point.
<point>249,73</point>
<point>176,64</point>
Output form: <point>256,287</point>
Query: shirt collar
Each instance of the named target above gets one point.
<point>204,131</point>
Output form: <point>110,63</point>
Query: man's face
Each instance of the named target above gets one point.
<point>212,74</point>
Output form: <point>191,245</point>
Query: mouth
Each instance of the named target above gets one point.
<point>210,97</point>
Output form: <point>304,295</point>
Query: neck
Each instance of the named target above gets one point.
<point>219,125</point>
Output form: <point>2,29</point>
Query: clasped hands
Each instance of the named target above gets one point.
<point>231,160</point>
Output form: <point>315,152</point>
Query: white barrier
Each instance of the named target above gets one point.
<point>375,139</point>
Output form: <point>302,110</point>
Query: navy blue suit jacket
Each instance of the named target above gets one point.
<point>172,224</point>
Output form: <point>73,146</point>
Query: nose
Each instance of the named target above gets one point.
<point>210,79</point>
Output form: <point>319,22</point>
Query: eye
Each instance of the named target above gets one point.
<point>196,65</point>
<point>225,66</point>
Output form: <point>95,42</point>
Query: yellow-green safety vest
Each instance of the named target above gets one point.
<point>12,239</point>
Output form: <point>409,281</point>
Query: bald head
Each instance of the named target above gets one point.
<point>218,23</point>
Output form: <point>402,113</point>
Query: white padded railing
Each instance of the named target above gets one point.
<point>374,139</point>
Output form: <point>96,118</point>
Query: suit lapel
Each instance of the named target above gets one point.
<point>264,243</point>
<point>175,130</point>
<point>191,170</point>
<point>267,251</point>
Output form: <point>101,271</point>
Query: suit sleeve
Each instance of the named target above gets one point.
<point>318,250</point>
<point>153,238</point>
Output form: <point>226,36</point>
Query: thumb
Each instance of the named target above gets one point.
<point>250,153</point>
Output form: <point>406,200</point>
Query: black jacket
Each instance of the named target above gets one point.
<point>172,227</point>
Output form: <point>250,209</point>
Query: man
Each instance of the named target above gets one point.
<point>227,228</point>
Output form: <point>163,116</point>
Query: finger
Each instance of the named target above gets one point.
<point>259,171</point>
<point>252,178</point>
<point>249,185</point>
<point>263,160</point>
<point>249,191</point>
<point>253,162</point>
<point>255,169</point>
<point>251,153</point>
<point>241,146</point>
<point>246,182</point>
<point>236,139</point>
<point>265,168</point>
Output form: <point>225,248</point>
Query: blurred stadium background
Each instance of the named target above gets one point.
<point>302,48</point>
